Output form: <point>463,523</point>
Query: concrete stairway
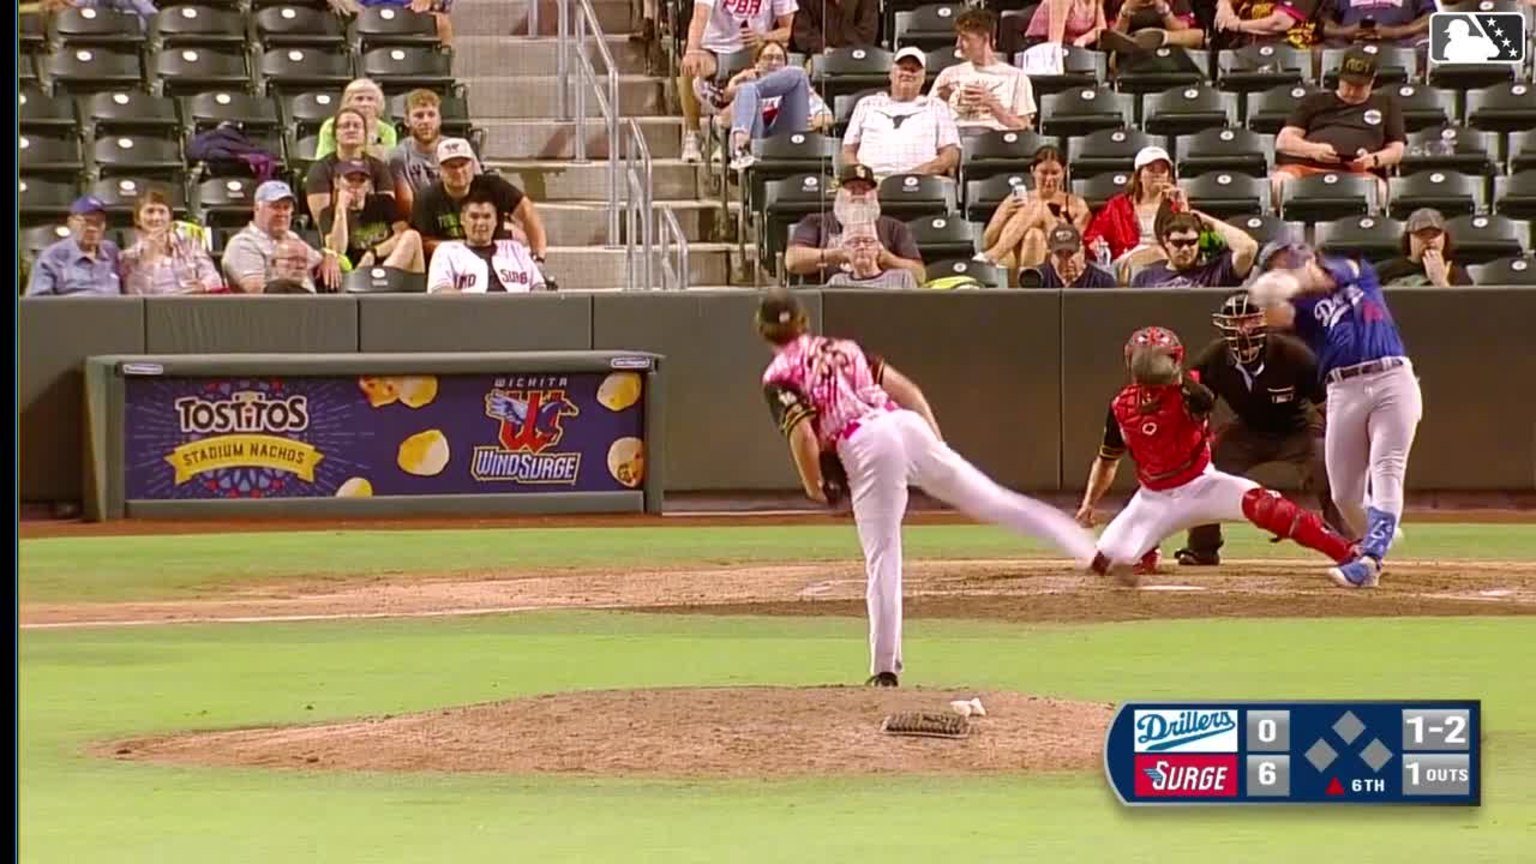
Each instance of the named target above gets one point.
<point>513,94</point>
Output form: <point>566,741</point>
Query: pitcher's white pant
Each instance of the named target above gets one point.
<point>1152,514</point>
<point>893,449</point>
<point>1372,420</point>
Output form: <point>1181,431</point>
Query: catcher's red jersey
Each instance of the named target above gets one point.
<point>1165,428</point>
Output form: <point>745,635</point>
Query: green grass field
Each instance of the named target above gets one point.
<point>81,686</point>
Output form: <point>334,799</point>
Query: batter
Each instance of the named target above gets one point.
<point>1374,403</point>
<point>831,398</point>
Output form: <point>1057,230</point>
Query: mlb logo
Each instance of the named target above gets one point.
<point>1477,37</point>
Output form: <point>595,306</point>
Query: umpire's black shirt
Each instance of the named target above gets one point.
<point>1271,398</point>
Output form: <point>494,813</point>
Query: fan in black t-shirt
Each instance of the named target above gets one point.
<point>364,235</point>
<point>435,214</point>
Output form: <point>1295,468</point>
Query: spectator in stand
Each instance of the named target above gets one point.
<point>379,136</point>
<point>1128,222</point>
<point>866,261</point>
<point>1077,23</point>
<point>1428,255</point>
<point>368,234</point>
<point>1067,265</point>
<point>351,128</point>
<point>438,208</point>
<point>1405,22</point>
<point>1179,235</point>
<point>721,27</point>
<point>268,250</point>
<point>438,8</point>
<point>903,131</point>
<point>414,160</point>
<point>823,25</point>
<point>1353,129</point>
<point>84,262</point>
<point>815,244</point>
<point>482,262</point>
<point>764,99</point>
<point>1146,25</point>
<point>985,93</point>
<point>1016,235</point>
<point>1250,22</point>
<point>167,257</point>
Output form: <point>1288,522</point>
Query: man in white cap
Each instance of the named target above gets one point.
<point>251,257</point>
<point>903,131</point>
<point>435,215</point>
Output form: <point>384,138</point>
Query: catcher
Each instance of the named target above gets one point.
<point>1162,418</point>
<point>841,407</point>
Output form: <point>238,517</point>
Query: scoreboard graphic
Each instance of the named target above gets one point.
<point>1413,752</point>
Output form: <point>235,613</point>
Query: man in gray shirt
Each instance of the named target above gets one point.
<point>862,243</point>
<point>414,160</point>
<point>251,259</point>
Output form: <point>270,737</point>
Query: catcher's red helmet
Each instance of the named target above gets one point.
<point>1155,337</point>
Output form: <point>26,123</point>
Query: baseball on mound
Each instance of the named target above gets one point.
<point>1275,287</point>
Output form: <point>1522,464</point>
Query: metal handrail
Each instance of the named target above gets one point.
<point>608,103</point>
<point>674,276</point>
<point>638,207</point>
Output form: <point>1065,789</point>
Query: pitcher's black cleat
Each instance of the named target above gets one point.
<point>884,679</point>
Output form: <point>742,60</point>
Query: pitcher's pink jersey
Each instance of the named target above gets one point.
<point>832,380</point>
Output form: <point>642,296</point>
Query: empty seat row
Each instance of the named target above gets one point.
<point>185,70</point>
<point>204,24</point>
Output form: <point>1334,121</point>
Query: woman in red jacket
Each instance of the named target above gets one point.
<point>1127,222</point>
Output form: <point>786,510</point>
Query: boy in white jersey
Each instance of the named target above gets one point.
<point>480,263</point>
<point>830,396</point>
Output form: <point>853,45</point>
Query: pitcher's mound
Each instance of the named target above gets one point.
<point>726,732</point>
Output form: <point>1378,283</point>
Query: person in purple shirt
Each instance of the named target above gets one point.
<point>85,262</point>
<point>1179,235</point>
<point>1066,266</point>
<point>1347,22</point>
<point>1374,404</point>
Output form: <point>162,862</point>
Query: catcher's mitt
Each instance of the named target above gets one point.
<point>834,479</point>
<point>1153,367</point>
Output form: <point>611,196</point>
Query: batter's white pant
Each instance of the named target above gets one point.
<point>1151,515</point>
<point>893,449</point>
<point>1371,424</point>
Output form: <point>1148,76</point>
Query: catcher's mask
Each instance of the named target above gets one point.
<point>1241,323</point>
<point>780,318</point>
<point>1155,338</point>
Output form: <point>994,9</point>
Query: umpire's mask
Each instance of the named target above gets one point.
<point>1241,323</point>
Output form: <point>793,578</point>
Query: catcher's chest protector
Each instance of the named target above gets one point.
<point>1168,443</point>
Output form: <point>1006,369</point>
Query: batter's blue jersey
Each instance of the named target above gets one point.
<point>1351,324</point>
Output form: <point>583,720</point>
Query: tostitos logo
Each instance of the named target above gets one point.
<point>1186,730</point>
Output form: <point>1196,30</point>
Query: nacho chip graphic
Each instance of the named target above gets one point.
<point>380,391</point>
<point>417,390</point>
<point>619,391</point>
<point>424,454</point>
<point>626,461</point>
<point>355,487</point>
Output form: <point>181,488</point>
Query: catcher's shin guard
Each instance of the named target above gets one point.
<point>1281,516</point>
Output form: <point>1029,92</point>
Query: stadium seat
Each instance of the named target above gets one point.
<point>101,28</point>
<point>1105,151</point>
<point>1394,64</point>
<point>288,69</point>
<point>940,59</point>
<point>122,194</point>
<point>1097,190</point>
<point>138,155</point>
<point>1081,68</point>
<point>190,70</point>
<point>49,156</point>
<point>1423,107</point>
<point>1163,69</point>
<point>26,70</point>
<point>43,202</point>
<point>1450,192</point>
<point>1187,110</point>
<point>1081,111</point>
<point>842,109</point>
<point>993,153</point>
<point>1522,151</point>
<point>225,201</point>
<point>291,25</point>
<point>983,196</point>
<point>727,65</point>
<point>83,70</point>
<point>1270,228</point>
<point>31,33</point>
<point>1262,67</point>
<point>453,109</point>
<point>1515,195</point>
<point>1486,237</point>
<point>843,71</point>
<point>989,275</point>
<point>383,280</point>
<point>37,111</point>
<point>34,240</point>
<point>388,25</point>
<point>1451,148</point>
<point>1225,194</point>
<point>1471,76</point>
<point>782,156</point>
<point>1266,112</point>
<point>1506,108</point>
<point>1371,238</point>
<point>304,113</point>
<point>299,152</point>
<point>786,202</point>
<point>928,27</point>
<point>130,112</point>
<point>908,196</point>
<point>199,27</point>
<point>1506,272</point>
<point>1011,24</point>
<point>252,113</point>
<point>1322,197</point>
<point>943,237</point>
<point>1240,151</point>
<point>406,68</point>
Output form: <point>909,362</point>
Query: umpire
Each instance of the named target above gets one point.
<point>1270,382</point>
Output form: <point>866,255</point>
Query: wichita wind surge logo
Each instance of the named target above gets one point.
<point>1186,730</point>
<point>1191,775</point>
<point>531,411</point>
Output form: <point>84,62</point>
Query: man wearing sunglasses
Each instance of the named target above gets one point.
<point>1179,236</point>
